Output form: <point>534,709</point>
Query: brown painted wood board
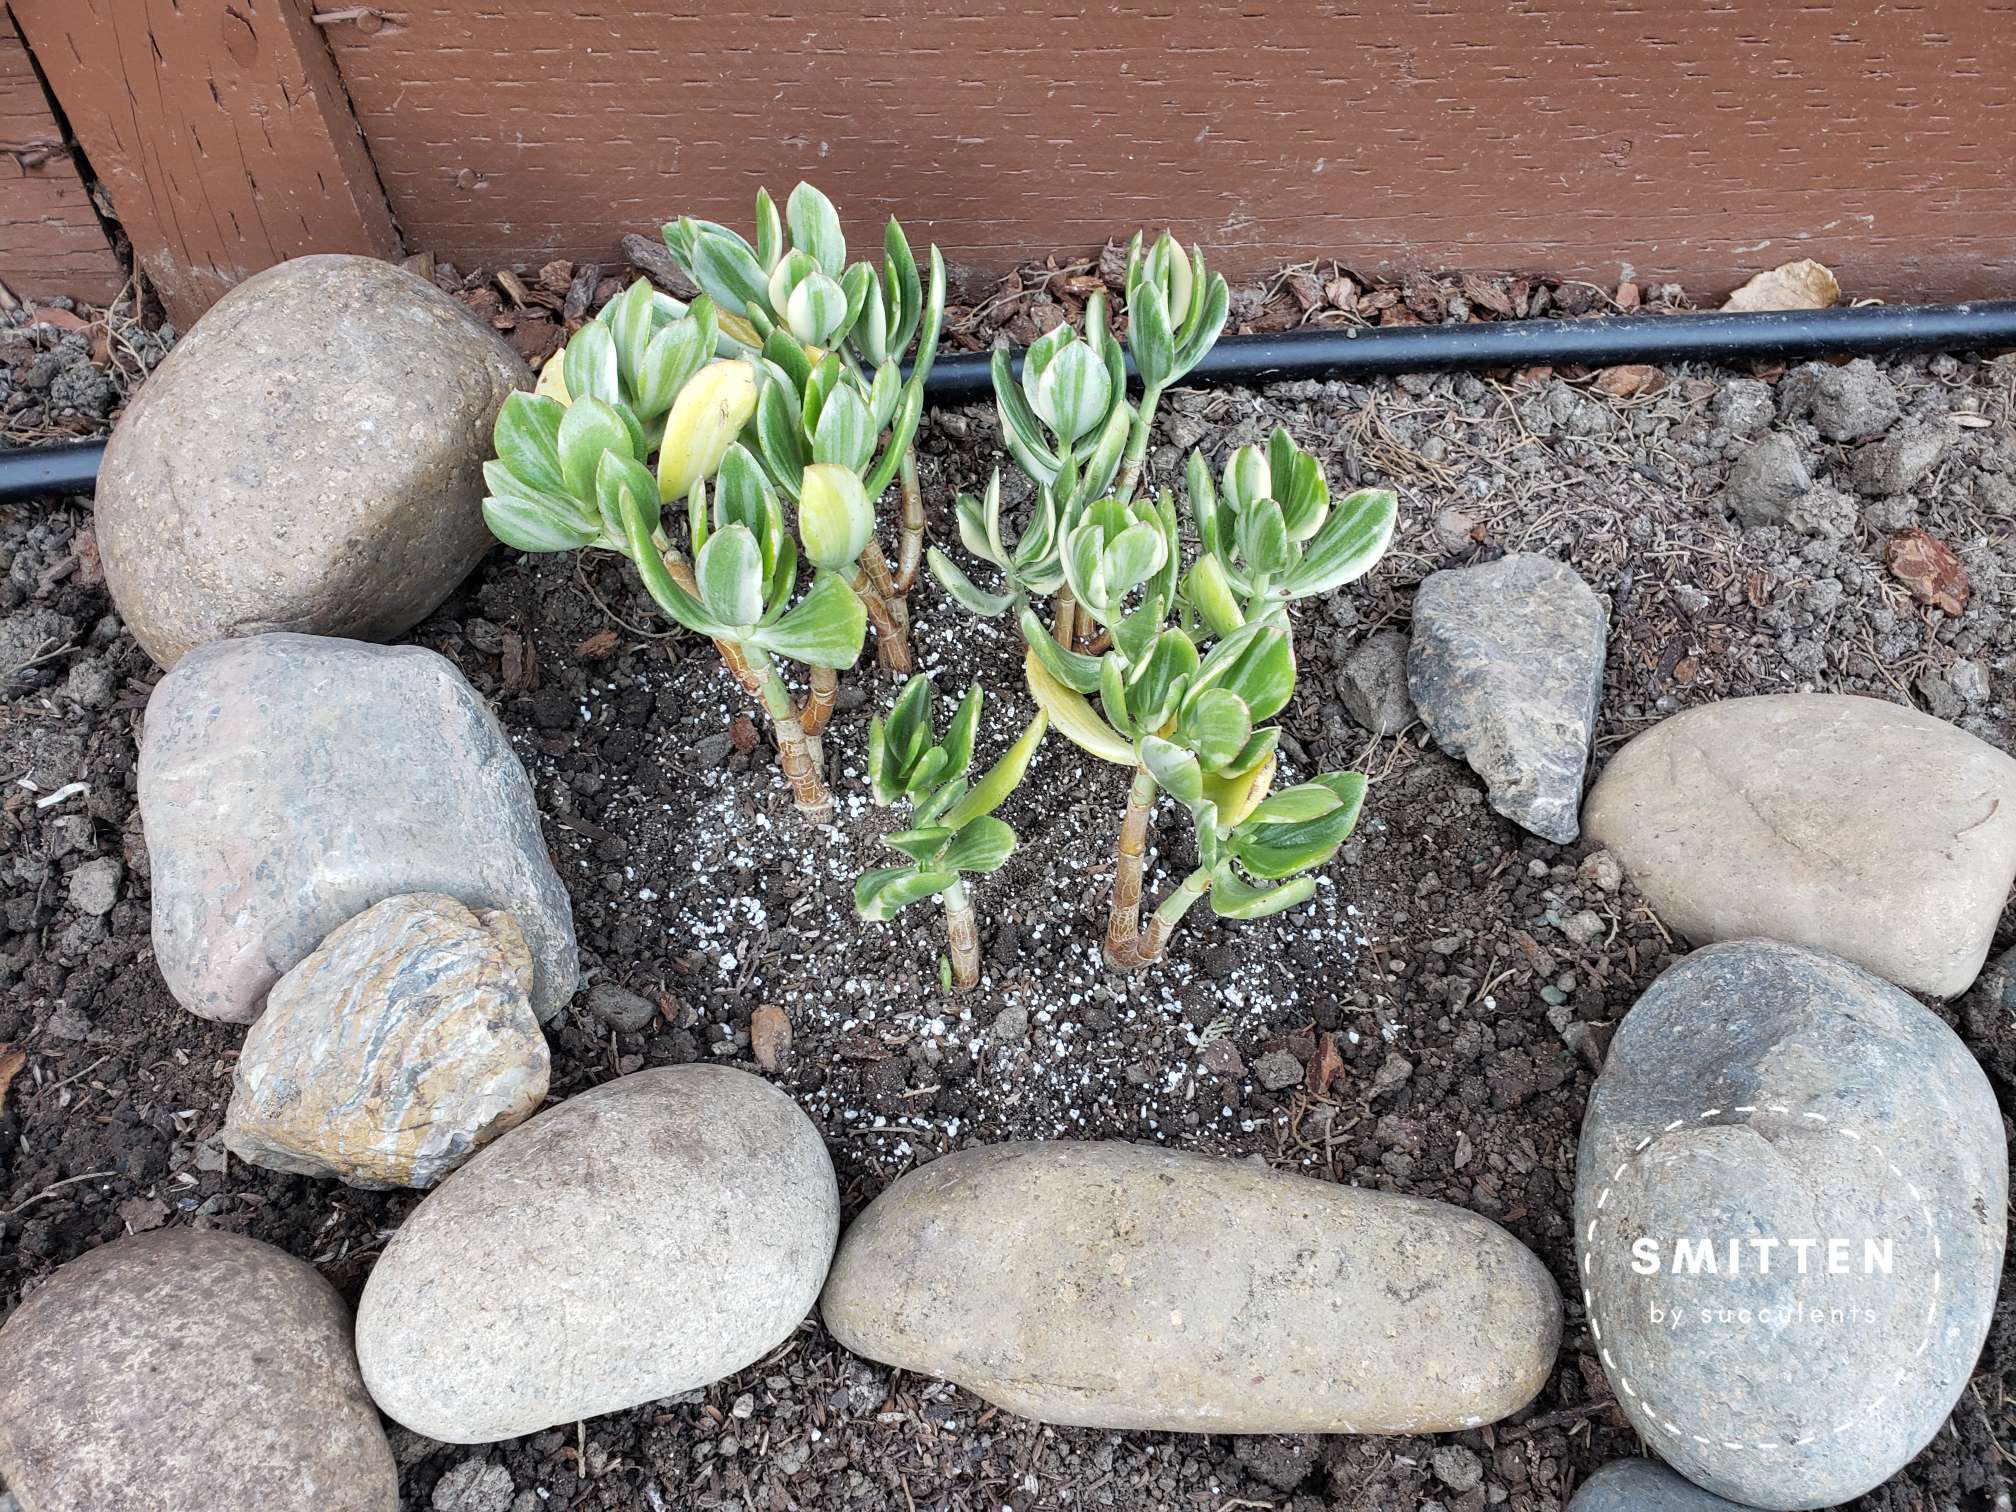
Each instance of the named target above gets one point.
<point>51,240</point>
<point>220,130</point>
<point>1696,140</point>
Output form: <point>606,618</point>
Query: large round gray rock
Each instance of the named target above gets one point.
<point>1789,1208</point>
<point>188,1372</point>
<point>1849,824</point>
<point>642,1239</point>
<point>1642,1486</point>
<point>1506,668</point>
<point>1129,1287</point>
<point>308,458</point>
<point>289,782</point>
<point>401,1045</point>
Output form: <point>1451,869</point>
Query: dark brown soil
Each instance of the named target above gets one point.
<point>1434,953</point>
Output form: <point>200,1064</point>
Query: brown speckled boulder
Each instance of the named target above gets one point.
<point>188,1372</point>
<point>308,458</point>
<point>395,1051</point>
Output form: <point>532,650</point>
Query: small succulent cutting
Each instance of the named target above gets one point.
<point>953,833</point>
<point>571,473</point>
<point>796,300</point>
<point>1270,533</point>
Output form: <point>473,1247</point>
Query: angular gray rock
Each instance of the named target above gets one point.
<point>1849,824</point>
<point>1506,669</point>
<point>188,1372</point>
<point>1644,1486</point>
<point>1766,479</point>
<point>309,457</point>
<point>1372,684</point>
<point>1124,1286</point>
<point>94,886</point>
<point>643,1239</point>
<point>1901,458</point>
<point>1789,1209</point>
<point>288,782</point>
<point>401,1045</point>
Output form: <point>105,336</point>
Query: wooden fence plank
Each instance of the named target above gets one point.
<point>51,240</point>
<point>219,129</point>
<point>1672,139</point>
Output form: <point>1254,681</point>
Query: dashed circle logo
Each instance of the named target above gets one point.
<point>1728,1273</point>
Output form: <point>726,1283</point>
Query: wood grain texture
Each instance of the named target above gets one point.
<point>51,240</point>
<point>219,129</point>
<point>1696,140</point>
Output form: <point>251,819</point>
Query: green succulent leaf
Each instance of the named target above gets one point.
<point>1149,334</point>
<point>1174,769</point>
<point>727,269</point>
<point>616,485</point>
<point>590,366</point>
<point>846,432</point>
<point>1272,849</point>
<point>1161,680</point>
<point>970,597</point>
<point>527,439</point>
<point>982,844</point>
<point>815,228</point>
<point>1232,897</point>
<point>960,734</point>
<point>1263,538</point>
<point>882,894</point>
<point>589,429</point>
<point>1077,672</point>
<point>824,629</point>
<point>921,843</point>
<point>1208,589</point>
<point>1348,545</point>
<point>769,230</point>
<point>537,522</point>
<point>730,574</point>
<point>1073,716</point>
<point>1216,725</point>
<point>1001,779</point>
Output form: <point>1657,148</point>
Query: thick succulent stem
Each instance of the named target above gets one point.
<point>892,652</point>
<point>1123,921</point>
<point>910,556</point>
<point>962,936</point>
<point>819,701</point>
<point>1064,618</point>
<point>1137,446</point>
<point>801,770</point>
<point>1162,923</point>
<point>892,640</point>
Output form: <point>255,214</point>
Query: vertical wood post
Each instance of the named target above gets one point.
<point>220,130</point>
<point>51,241</point>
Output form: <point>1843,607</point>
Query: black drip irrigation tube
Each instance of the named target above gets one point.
<point>1372,351</point>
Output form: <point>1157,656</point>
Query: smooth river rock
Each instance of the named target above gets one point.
<point>309,457</point>
<point>643,1239</point>
<point>1506,668</point>
<point>1849,824</point>
<point>400,1046</point>
<point>288,782</point>
<point>1844,1142</point>
<point>1125,1286</point>
<point>188,1372</point>
<point>1642,1486</point>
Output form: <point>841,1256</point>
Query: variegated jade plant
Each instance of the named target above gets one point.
<point>822,326</point>
<point>571,473</point>
<point>952,834</point>
<point>1187,720</point>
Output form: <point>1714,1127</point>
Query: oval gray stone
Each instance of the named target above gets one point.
<point>1643,1486</point>
<point>1125,1286</point>
<point>289,782</point>
<point>643,1239</point>
<point>309,457</point>
<point>188,1372</point>
<point>1852,825</point>
<point>403,1043</point>
<point>1789,1210</point>
<point>1505,666</point>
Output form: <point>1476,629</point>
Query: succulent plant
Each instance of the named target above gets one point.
<point>1271,534</point>
<point>795,299</point>
<point>572,474</point>
<point>953,833</point>
<point>1175,312</point>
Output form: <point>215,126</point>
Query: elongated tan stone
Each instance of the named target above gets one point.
<point>396,1050</point>
<point>1851,825</point>
<point>1130,1287</point>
